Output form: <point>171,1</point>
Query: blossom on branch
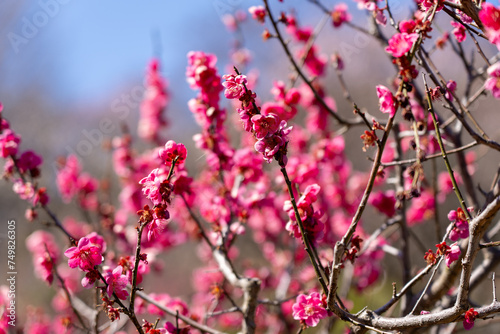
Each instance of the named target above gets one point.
<point>490,18</point>
<point>309,309</point>
<point>469,318</point>
<point>173,151</point>
<point>387,101</point>
<point>117,283</point>
<point>258,13</point>
<point>9,143</point>
<point>493,82</point>
<point>235,85</point>
<point>85,255</point>
<point>340,15</point>
<point>401,43</point>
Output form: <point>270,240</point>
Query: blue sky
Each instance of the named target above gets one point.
<point>82,49</point>
<point>90,50</point>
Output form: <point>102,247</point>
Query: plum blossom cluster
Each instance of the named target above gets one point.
<point>460,227</point>
<point>153,105</point>
<point>201,73</point>
<point>270,131</point>
<point>451,254</point>
<point>72,183</point>
<point>158,188</point>
<point>45,254</point>
<point>310,218</point>
<point>27,164</point>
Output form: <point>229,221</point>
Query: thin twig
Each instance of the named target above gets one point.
<point>300,72</point>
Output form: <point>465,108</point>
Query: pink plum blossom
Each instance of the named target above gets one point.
<point>85,255</point>
<point>201,73</point>
<point>173,151</point>
<point>452,254</point>
<point>25,190</point>
<point>258,13</point>
<point>384,202</point>
<point>117,283</point>
<point>9,143</point>
<point>460,228</point>
<point>340,15</point>
<point>29,161</point>
<point>264,126</point>
<point>493,82</point>
<point>271,145</point>
<point>151,186</point>
<point>458,31</point>
<point>67,178</point>
<point>469,318</point>
<point>490,17</point>
<point>407,26</point>
<point>401,43</point>
<point>309,309</point>
<point>153,105</point>
<point>450,88</point>
<point>426,5</point>
<point>45,254</point>
<point>235,85</point>
<point>386,100</point>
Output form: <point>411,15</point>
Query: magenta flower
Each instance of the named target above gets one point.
<point>452,254</point>
<point>265,125</point>
<point>386,100</point>
<point>156,227</point>
<point>90,278</point>
<point>461,226</point>
<point>309,309</point>
<point>151,186</point>
<point>309,196</point>
<point>258,13</point>
<point>67,178</point>
<point>490,17</point>
<point>97,240</point>
<point>401,43</point>
<point>235,85</point>
<point>153,104</point>
<point>493,82</point>
<point>9,143</point>
<point>172,151</point>
<point>117,283</point>
<point>315,63</point>
<point>29,161</point>
<point>45,254</point>
<point>458,31</point>
<point>426,5</point>
<point>25,190</point>
<point>407,26</point>
<point>384,202</point>
<point>340,15</point>
<point>469,318</point>
<point>460,230</point>
<point>201,73</point>
<point>41,197</point>
<point>85,255</point>
<point>451,86</point>
<point>270,145</point>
